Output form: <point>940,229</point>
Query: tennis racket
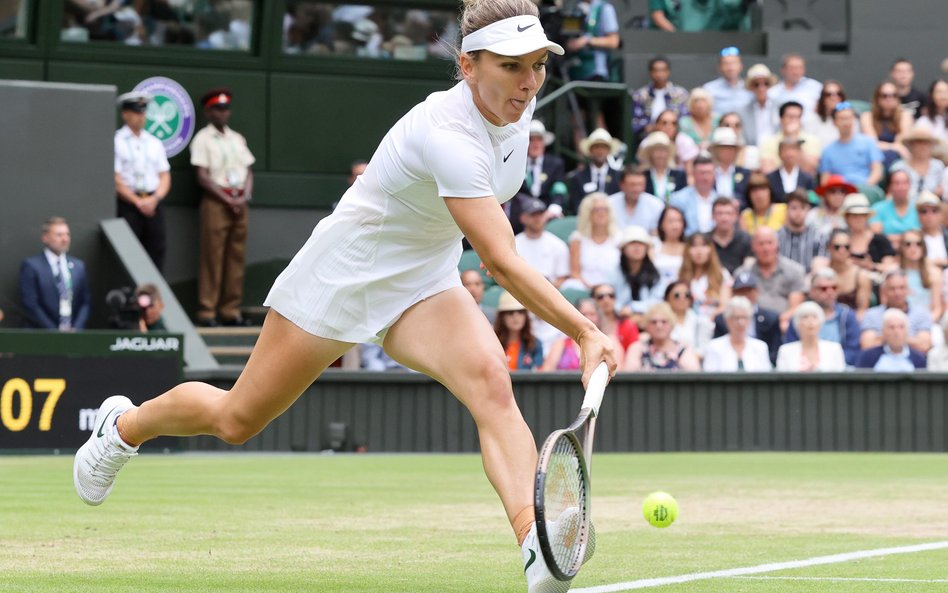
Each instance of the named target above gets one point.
<point>562,487</point>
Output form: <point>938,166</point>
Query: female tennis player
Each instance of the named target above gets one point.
<point>383,268</point>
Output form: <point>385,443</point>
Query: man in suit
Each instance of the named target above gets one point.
<point>729,179</point>
<point>53,287</point>
<point>766,326</point>
<point>655,154</point>
<point>759,115</point>
<point>597,175</point>
<point>788,177</point>
<point>544,171</point>
<point>697,201</point>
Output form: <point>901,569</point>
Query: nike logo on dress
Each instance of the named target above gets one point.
<point>508,155</point>
<point>100,434</point>
<point>522,29</point>
<point>533,557</point>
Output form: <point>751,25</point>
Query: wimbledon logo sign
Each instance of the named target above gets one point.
<point>170,115</point>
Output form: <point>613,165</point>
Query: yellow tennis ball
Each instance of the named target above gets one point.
<point>660,509</point>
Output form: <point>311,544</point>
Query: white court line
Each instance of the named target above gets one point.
<point>843,579</point>
<point>772,567</point>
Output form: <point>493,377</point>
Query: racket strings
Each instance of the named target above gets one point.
<point>565,497</point>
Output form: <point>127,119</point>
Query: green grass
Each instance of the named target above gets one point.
<point>420,524</point>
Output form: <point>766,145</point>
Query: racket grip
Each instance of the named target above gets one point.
<point>596,388</point>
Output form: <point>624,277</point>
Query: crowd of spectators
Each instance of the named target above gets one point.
<point>765,222</point>
<point>211,24</point>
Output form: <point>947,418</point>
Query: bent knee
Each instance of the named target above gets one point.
<point>491,390</point>
<point>236,429</point>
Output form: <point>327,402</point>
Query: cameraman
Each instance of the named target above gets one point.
<point>593,49</point>
<point>150,304</point>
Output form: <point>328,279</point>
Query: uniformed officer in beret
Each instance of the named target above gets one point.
<point>142,177</point>
<point>222,162</point>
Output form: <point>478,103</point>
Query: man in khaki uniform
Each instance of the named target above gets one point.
<point>222,161</point>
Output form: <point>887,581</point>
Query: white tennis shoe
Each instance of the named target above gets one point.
<point>567,520</point>
<point>539,577</point>
<point>103,455</point>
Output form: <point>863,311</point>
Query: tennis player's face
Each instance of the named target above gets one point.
<point>503,86</point>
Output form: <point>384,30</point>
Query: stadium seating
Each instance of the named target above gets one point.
<point>562,227</point>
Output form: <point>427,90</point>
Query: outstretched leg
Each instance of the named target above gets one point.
<point>448,338</point>
<point>285,361</point>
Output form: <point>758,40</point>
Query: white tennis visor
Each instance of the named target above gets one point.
<point>515,36</point>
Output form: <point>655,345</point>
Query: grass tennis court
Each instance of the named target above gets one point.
<point>431,523</point>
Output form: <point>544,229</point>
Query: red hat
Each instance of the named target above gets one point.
<point>836,181</point>
<point>216,97</point>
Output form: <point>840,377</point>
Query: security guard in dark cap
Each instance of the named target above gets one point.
<point>222,162</point>
<point>142,177</point>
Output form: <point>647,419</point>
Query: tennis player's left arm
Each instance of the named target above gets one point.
<point>487,229</point>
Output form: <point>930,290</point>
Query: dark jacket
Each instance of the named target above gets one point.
<point>577,180</point>
<point>848,333</point>
<point>804,181</point>
<point>676,176</point>
<point>553,170</point>
<point>766,324</point>
<point>740,178</point>
<point>40,296</point>
<point>870,357</point>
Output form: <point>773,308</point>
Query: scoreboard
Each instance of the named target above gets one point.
<point>52,383</point>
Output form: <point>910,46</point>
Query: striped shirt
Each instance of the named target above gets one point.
<point>801,247</point>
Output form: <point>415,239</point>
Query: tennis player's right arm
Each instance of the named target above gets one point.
<point>483,222</point>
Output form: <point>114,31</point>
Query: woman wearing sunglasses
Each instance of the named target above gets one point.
<point>658,351</point>
<point>886,122</point>
<point>854,287</point>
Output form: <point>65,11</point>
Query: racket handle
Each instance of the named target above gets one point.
<point>596,388</point>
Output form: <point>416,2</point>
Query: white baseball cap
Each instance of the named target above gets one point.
<point>514,36</point>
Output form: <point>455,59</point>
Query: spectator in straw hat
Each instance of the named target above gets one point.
<point>512,326</point>
<point>597,175</point>
<point>934,233</point>
<point>729,179</point>
<point>759,115</point>
<point>656,154</point>
<point>544,171</point>
<point>924,172</point>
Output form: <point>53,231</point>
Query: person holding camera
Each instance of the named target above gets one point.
<point>150,305</point>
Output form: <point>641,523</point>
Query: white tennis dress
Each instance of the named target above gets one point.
<point>392,242</point>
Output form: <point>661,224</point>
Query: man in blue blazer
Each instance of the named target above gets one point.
<point>54,290</point>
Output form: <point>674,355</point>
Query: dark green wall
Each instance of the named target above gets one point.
<point>641,412</point>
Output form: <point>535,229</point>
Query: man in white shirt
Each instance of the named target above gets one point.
<point>543,250</point>
<point>633,206</point>
<point>142,176</point>
<point>728,89</point>
<point>795,86</point>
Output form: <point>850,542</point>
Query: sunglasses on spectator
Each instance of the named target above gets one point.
<point>827,287</point>
<point>832,93</point>
<point>912,243</point>
<point>840,246</point>
<point>731,124</point>
<point>730,51</point>
<point>758,83</point>
<point>928,210</point>
<point>681,295</point>
<point>604,295</point>
<point>887,95</point>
